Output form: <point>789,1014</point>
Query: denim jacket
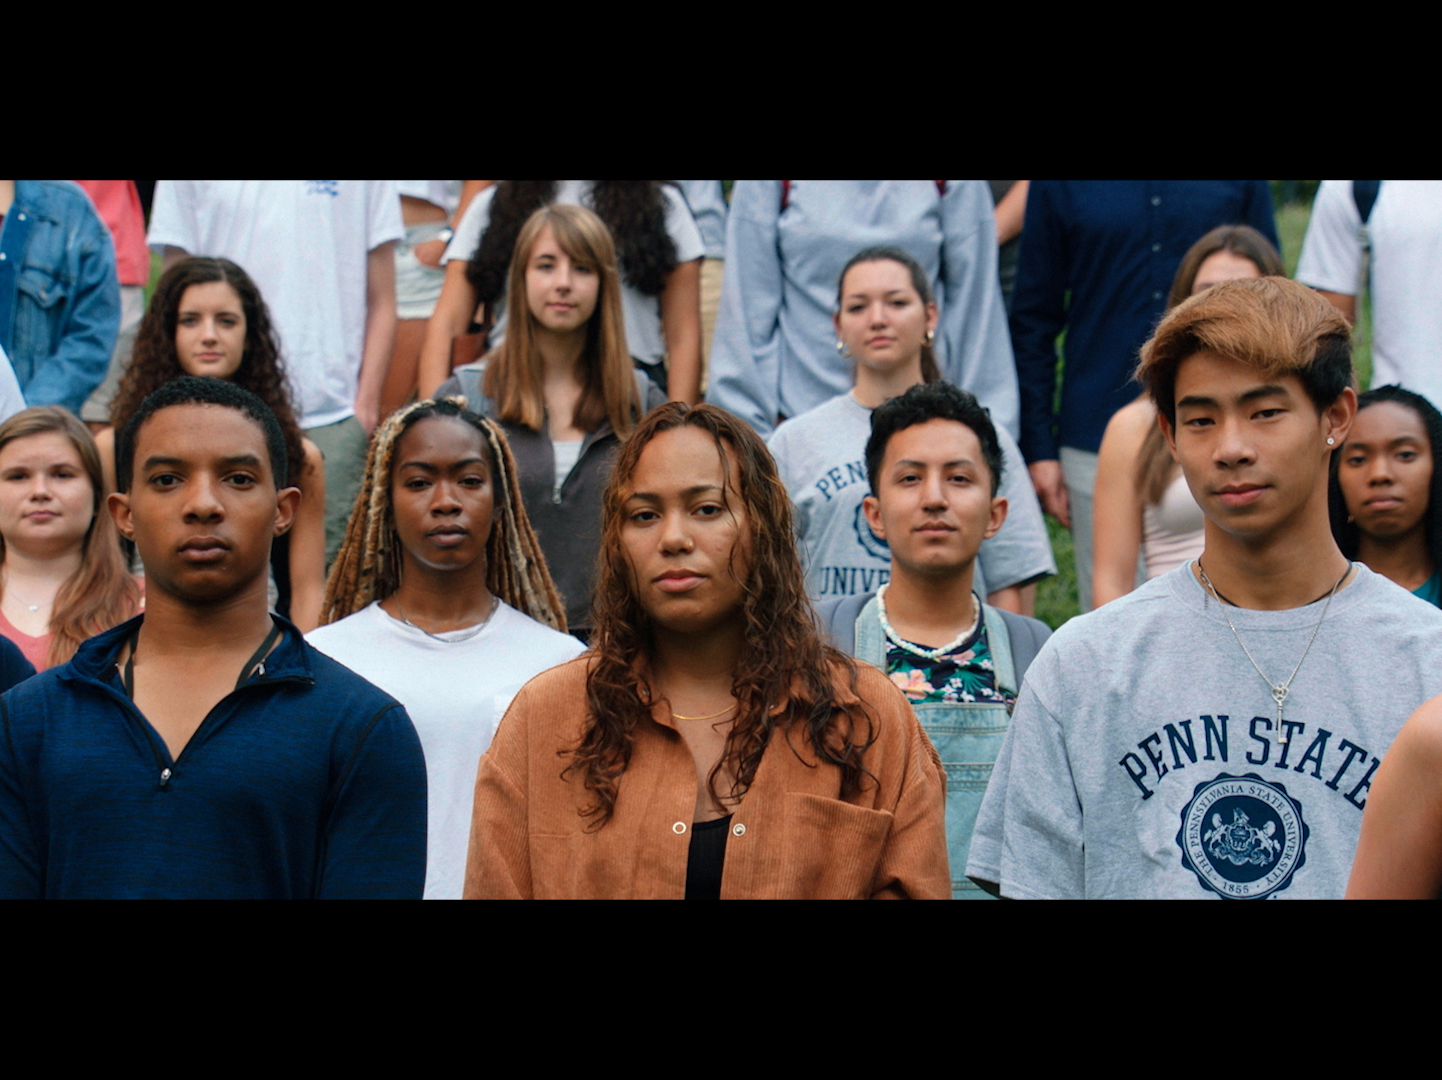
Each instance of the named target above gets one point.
<point>59,294</point>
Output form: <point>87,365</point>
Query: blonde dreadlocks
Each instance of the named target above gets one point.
<point>368,567</point>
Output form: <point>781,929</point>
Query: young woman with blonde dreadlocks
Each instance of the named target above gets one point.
<point>710,745</point>
<point>440,596</point>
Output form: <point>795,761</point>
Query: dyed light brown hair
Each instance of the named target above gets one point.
<point>368,565</point>
<point>782,657</point>
<point>101,594</point>
<point>1154,462</point>
<point>513,369</point>
<point>1272,324</point>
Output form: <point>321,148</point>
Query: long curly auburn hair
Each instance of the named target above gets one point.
<point>783,657</point>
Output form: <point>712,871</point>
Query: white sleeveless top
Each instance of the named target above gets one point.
<point>1172,529</point>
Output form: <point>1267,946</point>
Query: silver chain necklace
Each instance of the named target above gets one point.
<point>916,650</point>
<point>10,590</point>
<point>1279,692</point>
<point>453,637</point>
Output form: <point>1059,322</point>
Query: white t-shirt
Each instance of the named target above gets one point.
<point>443,193</point>
<point>566,454</point>
<point>642,312</point>
<point>12,400</point>
<point>1405,227</point>
<point>304,243</point>
<point>456,693</point>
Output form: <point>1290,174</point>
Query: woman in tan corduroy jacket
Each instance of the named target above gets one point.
<point>710,745</point>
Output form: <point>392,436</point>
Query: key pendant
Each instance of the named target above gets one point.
<point>1279,695</point>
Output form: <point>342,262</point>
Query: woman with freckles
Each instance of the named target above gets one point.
<point>710,745</point>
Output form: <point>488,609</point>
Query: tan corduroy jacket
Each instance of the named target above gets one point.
<point>791,837</point>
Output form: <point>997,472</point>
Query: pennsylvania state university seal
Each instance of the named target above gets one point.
<point>875,546</point>
<point>1243,836</point>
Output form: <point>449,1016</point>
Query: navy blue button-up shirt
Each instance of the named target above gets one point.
<point>1097,259</point>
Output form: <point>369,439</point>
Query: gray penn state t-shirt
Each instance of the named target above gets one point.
<point>1144,758</point>
<point>821,456</point>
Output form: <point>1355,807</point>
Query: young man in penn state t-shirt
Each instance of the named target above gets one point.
<point>1215,732</point>
<point>203,749</point>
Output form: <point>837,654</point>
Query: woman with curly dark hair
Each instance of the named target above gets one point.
<point>207,318</point>
<point>659,248</point>
<point>712,744</point>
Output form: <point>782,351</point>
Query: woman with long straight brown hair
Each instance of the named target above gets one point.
<point>710,745</point>
<point>562,387</point>
<point>659,251</point>
<point>61,571</point>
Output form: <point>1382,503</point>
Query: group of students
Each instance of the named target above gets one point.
<point>441,582</point>
<point>717,739</point>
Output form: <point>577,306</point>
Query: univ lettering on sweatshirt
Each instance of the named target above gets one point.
<point>821,458</point>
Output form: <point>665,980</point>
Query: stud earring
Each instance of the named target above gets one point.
<point>1331,441</point>
<point>930,336</point>
<point>841,350</point>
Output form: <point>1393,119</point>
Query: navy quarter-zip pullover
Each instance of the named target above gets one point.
<point>305,781</point>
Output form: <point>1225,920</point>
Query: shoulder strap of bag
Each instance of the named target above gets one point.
<point>838,619</point>
<point>1027,638</point>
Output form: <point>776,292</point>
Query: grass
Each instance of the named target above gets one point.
<point>1056,598</point>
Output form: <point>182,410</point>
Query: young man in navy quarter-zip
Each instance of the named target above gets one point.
<point>203,749</point>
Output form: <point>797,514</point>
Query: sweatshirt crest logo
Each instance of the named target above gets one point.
<point>874,545</point>
<point>1243,836</point>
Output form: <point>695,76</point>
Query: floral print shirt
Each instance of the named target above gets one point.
<point>964,675</point>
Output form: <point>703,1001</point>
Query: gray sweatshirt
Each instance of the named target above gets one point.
<point>822,461</point>
<point>1144,758</point>
<point>774,353</point>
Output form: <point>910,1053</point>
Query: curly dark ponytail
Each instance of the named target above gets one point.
<point>511,207</point>
<point>634,211</point>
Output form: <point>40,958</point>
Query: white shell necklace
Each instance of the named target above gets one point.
<point>1279,691</point>
<point>916,650</point>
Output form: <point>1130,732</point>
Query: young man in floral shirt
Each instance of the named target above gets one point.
<point>934,466</point>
